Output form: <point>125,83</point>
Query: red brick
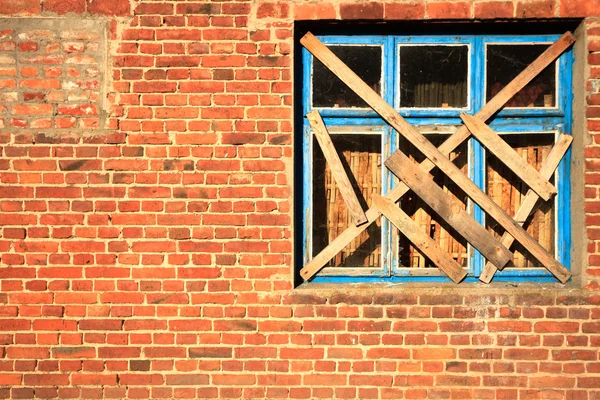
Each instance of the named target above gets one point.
<point>27,352</point>
<point>119,352</point>
<point>509,326</point>
<point>234,379</point>
<point>32,109</point>
<point>28,46</point>
<point>210,352</point>
<point>54,325</point>
<point>506,381</point>
<point>7,83</point>
<point>479,354</point>
<point>22,7</point>
<point>180,34</point>
<point>153,8</point>
<point>554,327</point>
<point>41,84</point>
<point>187,379</point>
<point>413,10</point>
<point>390,352</point>
<point>11,379</point>
<point>526,354</point>
<point>304,11</point>
<point>108,7</point>
<point>180,61</point>
<point>45,379</point>
<point>434,354</point>
<point>15,192</point>
<point>15,325</point>
<point>198,8</point>
<point>141,379</point>
<point>101,324</point>
<point>536,9</point>
<point>361,11</point>
<point>87,379</point>
<point>82,109</point>
<point>449,10</point>
<point>303,354</point>
<point>494,10</point>
<point>575,8</point>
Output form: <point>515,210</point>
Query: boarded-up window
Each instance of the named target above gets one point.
<point>432,81</point>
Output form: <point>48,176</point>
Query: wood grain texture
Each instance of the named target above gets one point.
<point>310,42</point>
<point>337,168</point>
<point>421,183</point>
<point>419,239</point>
<point>498,147</point>
<point>531,198</point>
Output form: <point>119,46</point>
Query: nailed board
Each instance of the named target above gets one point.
<point>337,168</point>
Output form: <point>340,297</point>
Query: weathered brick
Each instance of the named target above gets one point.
<point>452,10</point>
<point>361,11</point>
<point>494,9</point>
<point>22,7</point>
<point>536,9</point>
<point>414,10</point>
<point>108,7</point>
<point>574,8</point>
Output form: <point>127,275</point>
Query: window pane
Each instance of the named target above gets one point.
<point>361,156</point>
<point>508,191</point>
<point>505,62</point>
<point>433,76</point>
<point>450,241</point>
<point>329,91</point>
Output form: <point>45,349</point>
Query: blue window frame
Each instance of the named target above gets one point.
<point>359,124</point>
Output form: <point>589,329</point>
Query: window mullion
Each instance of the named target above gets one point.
<point>476,150</point>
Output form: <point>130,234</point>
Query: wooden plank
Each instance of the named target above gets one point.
<point>450,211</point>
<point>419,239</point>
<point>531,198</point>
<point>337,168</point>
<point>493,106</point>
<point>506,154</point>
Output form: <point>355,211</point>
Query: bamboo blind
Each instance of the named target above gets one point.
<point>508,192</point>
<point>361,155</point>
<point>449,241</point>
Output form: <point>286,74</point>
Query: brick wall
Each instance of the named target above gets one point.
<point>146,222</point>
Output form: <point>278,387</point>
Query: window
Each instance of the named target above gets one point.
<point>431,81</point>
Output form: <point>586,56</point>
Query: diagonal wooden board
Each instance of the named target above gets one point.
<point>337,168</point>
<point>490,108</point>
<point>419,239</point>
<point>419,181</point>
<point>507,155</point>
<point>531,198</point>
<point>389,114</point>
